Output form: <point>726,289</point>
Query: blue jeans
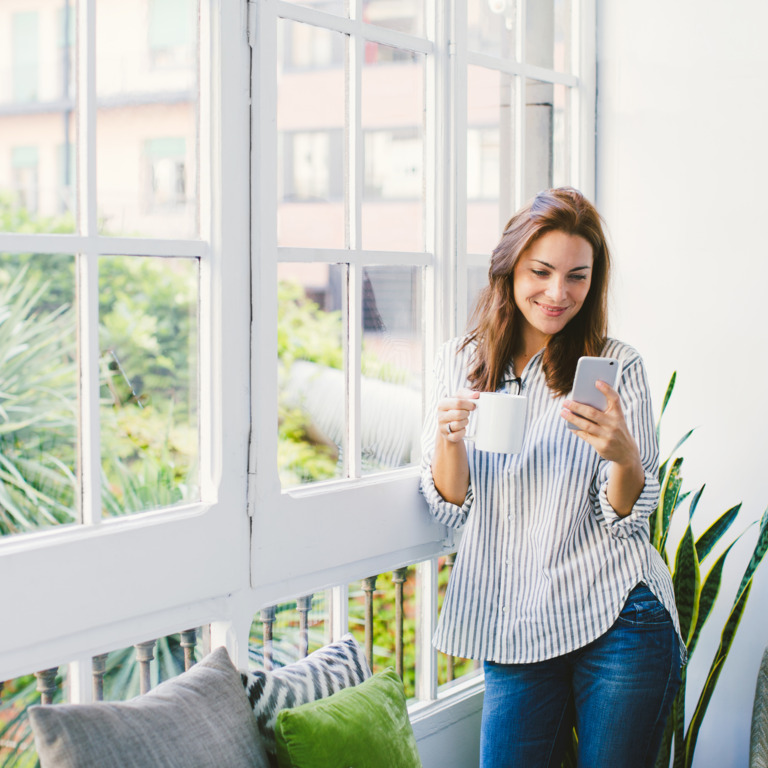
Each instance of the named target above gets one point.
<point>618,691</point>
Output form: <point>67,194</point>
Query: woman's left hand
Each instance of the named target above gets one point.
<point>606,431</point>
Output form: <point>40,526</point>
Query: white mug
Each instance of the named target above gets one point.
<point>499,422</point>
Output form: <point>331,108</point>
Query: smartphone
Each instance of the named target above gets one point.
<point>590,370</point>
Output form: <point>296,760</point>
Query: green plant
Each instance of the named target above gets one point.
<point>695,594</point>
<point>37,407</point>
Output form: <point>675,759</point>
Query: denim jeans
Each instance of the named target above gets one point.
<point>618,690</point>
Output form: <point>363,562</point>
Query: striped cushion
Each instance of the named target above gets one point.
<point>328,670</point>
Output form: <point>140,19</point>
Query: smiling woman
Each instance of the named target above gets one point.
<point>556,586</point>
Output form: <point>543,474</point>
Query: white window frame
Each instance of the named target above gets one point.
<point>78,590</point>
<point>330,534</point>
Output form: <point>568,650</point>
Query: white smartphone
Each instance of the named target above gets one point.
<point>590,370</point>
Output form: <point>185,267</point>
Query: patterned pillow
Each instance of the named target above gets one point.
<point>328,670</point>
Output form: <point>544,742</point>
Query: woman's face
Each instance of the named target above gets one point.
<point>551,282</point>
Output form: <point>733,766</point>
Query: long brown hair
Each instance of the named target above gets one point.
<point>495,324</point>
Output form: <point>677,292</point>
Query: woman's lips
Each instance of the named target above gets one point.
<point>551,311</point>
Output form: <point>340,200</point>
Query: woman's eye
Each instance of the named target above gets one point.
<point>539,272</point>
<point>578,277</point>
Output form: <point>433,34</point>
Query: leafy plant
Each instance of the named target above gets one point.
<point>37,402</point>
<point>695,594</point>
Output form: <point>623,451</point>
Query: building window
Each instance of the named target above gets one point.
<point>25,52</point>
<point>166,174</point>
<point>25,180</point>
<point>171,33</point>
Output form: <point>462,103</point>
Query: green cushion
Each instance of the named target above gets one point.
<point>366,726</point>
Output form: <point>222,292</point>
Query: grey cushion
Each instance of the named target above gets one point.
<point>330,669</point>
<point>200,719</point>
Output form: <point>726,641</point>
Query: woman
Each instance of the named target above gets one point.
<point>556,586</point>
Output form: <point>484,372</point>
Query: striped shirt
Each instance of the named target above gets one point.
<point>545,564</point>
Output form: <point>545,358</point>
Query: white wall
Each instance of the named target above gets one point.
<point>681,181</point>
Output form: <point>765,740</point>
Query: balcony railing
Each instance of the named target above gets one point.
<point>381,613</point>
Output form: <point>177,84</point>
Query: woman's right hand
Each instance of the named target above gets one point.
<point>453,415</point>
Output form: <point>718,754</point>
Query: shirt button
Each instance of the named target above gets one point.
<point>503,608</point>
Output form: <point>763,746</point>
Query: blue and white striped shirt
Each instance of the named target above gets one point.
<point>545,564</point>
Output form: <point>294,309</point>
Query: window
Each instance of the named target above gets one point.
<point>120,318</point>
<point>428,155</point>
<point>25,180</point>
<point>25,53</point>
<point>268,231</point>
<point>165,165</point>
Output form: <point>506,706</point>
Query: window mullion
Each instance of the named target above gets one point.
<point>87,275</point>
<point>354,343</point>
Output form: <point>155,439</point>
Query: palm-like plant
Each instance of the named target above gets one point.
<point>695,593</point>
<point>37,408</point>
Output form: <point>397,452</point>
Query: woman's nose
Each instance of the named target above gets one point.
<point>556,288</point>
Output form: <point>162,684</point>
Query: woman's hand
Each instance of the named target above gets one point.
<point>450,469</point>
<point>453,415</point>
<point>607,432</point>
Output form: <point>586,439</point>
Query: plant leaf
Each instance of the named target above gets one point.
<point>761,547</point>
<point>667,395</point>
<point>709,592</point>
<point>695,501</point>
<point>712,535</point>
<point>726,639</point>
<point>686,580</point>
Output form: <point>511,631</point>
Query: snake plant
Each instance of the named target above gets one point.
<point>697,581</point>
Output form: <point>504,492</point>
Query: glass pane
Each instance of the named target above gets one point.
<point>392,367</point>
<point>148,335</point>
<point>38,392</point>
<point>37,120</point>
<point>548,32</point>
<point>117,674</point>
<point>490,156</point>
<point>477,279</point>
<point>491,26</point>
<point>147,131</point>
<point>402,15</point>
<point>393,127</point>
<point>311,393</point>
<point>547,159</point>
<point>310,123</point>
<point>285,633</point>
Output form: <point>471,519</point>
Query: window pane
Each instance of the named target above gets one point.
<point>310,124</point>
<point>402,15</point>
<point>38,395</point>
<point>282,634</point>
<point>149,366</point>
<point>147,132</point>
<point>490,156</point>
<point>546,151</point>
<point>491,27</point>
<point>477,279</point>
<point>392,367</point>
<point>548,32</point>
<point>38,129</point>
<point>393,126</point>
<point>311,393</point>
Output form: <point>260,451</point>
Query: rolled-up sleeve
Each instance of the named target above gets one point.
<point>443,511</point>
<point>638,413</point>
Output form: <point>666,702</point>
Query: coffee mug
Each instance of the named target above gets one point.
<point>499,422</point>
